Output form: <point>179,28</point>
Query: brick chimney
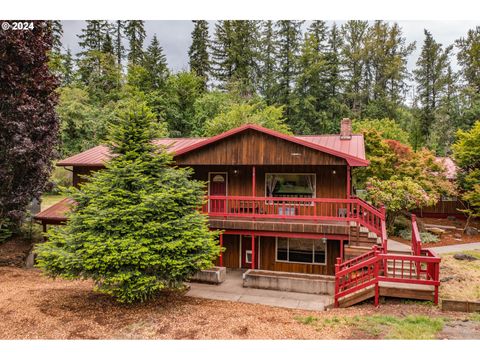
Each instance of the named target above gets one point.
<point>345,129</point>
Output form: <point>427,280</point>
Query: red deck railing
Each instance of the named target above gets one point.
<point>316,209</point>
<point>377,265</point>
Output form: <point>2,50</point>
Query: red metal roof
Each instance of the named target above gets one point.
<point>55,213</point>
<point>352,150</point>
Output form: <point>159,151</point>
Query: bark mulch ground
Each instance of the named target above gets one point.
<point>35,307</point>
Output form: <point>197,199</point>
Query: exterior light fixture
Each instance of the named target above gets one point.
<point>324,239</point>
<point>334,172</point>
<point>235,172</point>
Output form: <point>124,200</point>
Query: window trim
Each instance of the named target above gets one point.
<point>299,262</point>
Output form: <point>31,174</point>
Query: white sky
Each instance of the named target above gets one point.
<point>175,36</point>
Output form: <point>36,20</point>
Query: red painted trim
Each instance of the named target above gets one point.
<point>285,234</point>
<point>221,253</point>
<point>351,160</point>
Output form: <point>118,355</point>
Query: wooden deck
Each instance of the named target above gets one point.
<point>281,225</point>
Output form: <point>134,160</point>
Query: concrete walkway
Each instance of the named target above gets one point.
<point>232,290</point>
<point>456,248</point>
<point>397,246</point>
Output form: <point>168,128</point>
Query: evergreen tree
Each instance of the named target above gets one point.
<point>107,47</point>
<point>28,123</point>
<point>56,29</point>
<point>235,54</point>
<point>68,75</point>
<point>288,33</point>
<point>135,33</point>
<point>354,33</point>
<point>155,63</point>
<point>93,36</point>
<point>136,228</point>
<point>268,68</point>
<point>198,52</point>
<point>468,57</point>
<point>431,78</point>
<point>334,81</point>
<point>118,34</point>
<point>386,71</point>
<point>311,89</point>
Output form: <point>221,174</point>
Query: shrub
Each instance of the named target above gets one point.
<point>426,237</point>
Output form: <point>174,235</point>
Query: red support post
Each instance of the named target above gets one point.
<point>254,192</point>
<point>349,189</point>
<point>253,251</point>
<point>376,274</point>
<point>221,253</point>
<point>337,280</point>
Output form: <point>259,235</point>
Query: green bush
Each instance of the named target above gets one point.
<point>60,177</point>
<point>426,237</point>
<point>401,223</point>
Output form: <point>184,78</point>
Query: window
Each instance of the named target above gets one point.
<point>308,251</point>
<point>290,185</point>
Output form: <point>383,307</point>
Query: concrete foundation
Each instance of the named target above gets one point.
<point>215,275</point>
<point>284,281</point>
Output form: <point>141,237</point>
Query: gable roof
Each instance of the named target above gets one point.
<point>352,150</point>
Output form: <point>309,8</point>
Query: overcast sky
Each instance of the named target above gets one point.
<point>175,36</point>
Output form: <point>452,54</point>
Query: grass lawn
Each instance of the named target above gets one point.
<point>49,200</point>
<point>461,278</point>
<point>411,327</point>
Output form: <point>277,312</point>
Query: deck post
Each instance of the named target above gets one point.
<point>221,252</point>
<point>337,280</point>
<point>253,251</point>
<point>253,191</point>
<point>376,274</point>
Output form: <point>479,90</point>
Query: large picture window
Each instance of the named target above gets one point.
<point>290,185</point>
<point>308,251</point>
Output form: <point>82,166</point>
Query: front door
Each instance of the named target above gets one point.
<point>217,187</point>
<point>247,252</point>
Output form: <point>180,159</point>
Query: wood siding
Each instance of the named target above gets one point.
<point>268,259</point>
<point>79,171</point>
<point>255,148</point>
<point>231,256</point>
<point>331,181</point>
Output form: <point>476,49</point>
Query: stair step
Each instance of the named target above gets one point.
<point>356,297</point>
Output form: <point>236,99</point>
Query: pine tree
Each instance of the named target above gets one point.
<point>68,75</point>
<point>431,77</point>
<point>136,228</point>
<point>107,47</point>
<point>268,66</point>
<point>135,33</point>
<point>334,81</point>
<point>155,64</point>
<point>235,54</point>
<point>118,34</point>
<point>288,33</point>
<point>56,29</point>
<point>198,52</point>
<point>354,33</point>
<point>468,57</point>
<point>311,90</point>
<point>93,36</point>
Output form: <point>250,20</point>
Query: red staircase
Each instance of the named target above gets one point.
<point>413,275</point>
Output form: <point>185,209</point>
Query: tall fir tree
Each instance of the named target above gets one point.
<point>268,65</point>
<point>431,78</point>
<point>135,33</point>
<point>235,57</point>
<point>289,35</point>
<point>118,36</point>
<point>68,66</point>
<point>311,90</point>
<point>199,60</point>
<point>56,29</point>
<point>468,57</point>
<point>93,36</point>
<point>354,33</point>
<point>155,63</point>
